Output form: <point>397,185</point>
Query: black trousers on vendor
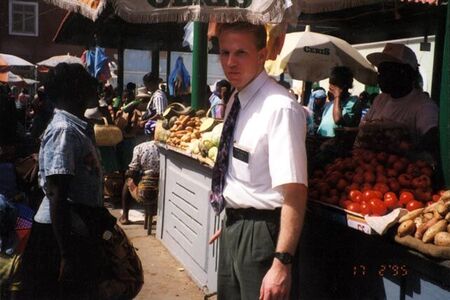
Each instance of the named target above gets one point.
<point>247,246</point>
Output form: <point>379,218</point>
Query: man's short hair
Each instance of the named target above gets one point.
<point>258,31</point>
<point>131,86</point>
<point>150,78</point>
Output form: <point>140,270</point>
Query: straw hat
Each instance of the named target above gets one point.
<point>142,93</point>
<point>398,53</point>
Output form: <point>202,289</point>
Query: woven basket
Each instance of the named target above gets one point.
<point>107,135</point>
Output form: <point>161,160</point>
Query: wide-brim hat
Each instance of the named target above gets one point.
<point>142,93</point>
<point>398,53</point>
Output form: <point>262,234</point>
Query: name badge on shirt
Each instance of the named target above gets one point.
<point>241,154</point>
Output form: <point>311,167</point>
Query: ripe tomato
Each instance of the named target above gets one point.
<point>355,195</point>
<point>405,197</point>
<point>414,204</point>
<point>344,203</point>
<point>365,208</point>
<point>358,178</point>
<point>341,184</point>
<point>381,187</point>
<point>369,177</point>
<point>377,207</point>
<point>355,207</point>
<point>436,198</point>
<point>369,194</point>
<point>391,200</point>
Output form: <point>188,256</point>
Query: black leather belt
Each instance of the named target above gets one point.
<point>234,214</point>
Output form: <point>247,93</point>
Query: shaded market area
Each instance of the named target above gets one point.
<point>146,91</point>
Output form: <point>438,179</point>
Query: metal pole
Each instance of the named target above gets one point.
<point>199,65</point>
<point>155,62</point>
<point>438,54</point>
<point>168,69</point>
<point>444,111</point>
<point>120,52</point>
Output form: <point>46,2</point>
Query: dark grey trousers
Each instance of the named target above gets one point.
<point>247,246</point>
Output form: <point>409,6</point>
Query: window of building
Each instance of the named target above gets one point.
<point>23,18</point>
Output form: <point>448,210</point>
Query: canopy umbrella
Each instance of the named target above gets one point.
<point>7,61</point>
<point>16,80</point>
<point>153,11</point>
<point>310,56</point>
<point>54,60</point>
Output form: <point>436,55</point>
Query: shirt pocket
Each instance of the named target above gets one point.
<point>241,163</point>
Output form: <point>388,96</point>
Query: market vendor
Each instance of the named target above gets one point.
<point>341,110</point>
<point>402,100</point>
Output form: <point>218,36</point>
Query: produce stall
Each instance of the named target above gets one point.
<point>377,225</point>
<point>186,221</point>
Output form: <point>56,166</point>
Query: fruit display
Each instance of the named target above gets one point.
<point>374,183</point>
<point>430,224</point>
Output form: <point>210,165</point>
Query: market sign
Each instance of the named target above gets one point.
<point>158,11</point>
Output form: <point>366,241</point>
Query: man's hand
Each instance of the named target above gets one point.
<point>335,90</point>
<point>215,236</point>
<point>66,270</point>
<point>276,285</point>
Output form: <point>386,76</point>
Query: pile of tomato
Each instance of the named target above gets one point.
<point>374,183</point>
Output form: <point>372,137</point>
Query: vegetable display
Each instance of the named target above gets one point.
<point>430,224</point>
<point>190,134</point>
<point>374,183</point>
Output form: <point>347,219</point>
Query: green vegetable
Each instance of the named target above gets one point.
<point>212,153</point>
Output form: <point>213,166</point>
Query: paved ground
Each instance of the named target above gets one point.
<point>164,276</point>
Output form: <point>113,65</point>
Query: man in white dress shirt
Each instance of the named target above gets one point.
<point>266,182</point>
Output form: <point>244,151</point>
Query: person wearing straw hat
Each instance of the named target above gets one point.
<point>402,100</point>
<point>260,177</point>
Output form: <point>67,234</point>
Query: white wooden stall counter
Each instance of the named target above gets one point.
<point>186,221</point>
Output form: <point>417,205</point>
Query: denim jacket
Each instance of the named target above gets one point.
<point>68,148</point>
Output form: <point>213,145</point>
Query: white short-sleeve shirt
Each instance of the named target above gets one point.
<point>270,131</point>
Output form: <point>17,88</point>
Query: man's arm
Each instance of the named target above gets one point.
<point>277,282</point>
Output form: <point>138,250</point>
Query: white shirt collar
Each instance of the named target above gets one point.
<point>249,92</point>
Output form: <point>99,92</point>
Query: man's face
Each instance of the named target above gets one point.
<point>241,60</point>
<point>395,79</point>
<point>320,101</point>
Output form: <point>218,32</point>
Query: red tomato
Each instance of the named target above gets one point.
<point>405,197</point>
<point>429,203</point>
<point>365,208</point>
<point>369,194</point>
<point>344,203</point>
<point>436,198</point>
<point>355,207</point>
<point>414,204</point>
<point>377,207</point>
<point>381,187</point>
<point>355,195</point>
<point>391,200</point>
